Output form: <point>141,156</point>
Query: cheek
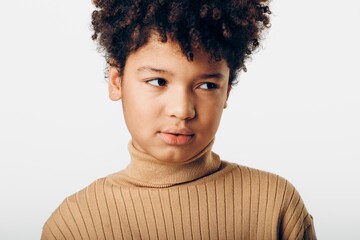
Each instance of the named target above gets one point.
<point>140,111</point>
<point>209,113</point>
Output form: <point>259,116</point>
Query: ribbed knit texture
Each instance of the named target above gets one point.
<point>219,200</point>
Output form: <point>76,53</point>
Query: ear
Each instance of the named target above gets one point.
<point>227,95</point>
<point>114,84</point>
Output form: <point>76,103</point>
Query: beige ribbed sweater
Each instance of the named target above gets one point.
<point>204,198</point>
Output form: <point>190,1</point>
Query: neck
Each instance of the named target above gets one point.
<point>147,171</point>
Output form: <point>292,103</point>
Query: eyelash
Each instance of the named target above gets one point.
<point>213,85</point>
<point>157,79</point>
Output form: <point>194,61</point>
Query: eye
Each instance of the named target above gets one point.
<point>159,82</point>
<point>208,85</point>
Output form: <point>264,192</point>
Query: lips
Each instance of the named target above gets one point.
<point>177,136</point>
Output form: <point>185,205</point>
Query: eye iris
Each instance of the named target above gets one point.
<point>211,85</point>
<point>161,82</point>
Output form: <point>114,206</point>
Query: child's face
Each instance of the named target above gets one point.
<point>172,107</point>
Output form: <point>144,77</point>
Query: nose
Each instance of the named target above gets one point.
<point>181,104</point>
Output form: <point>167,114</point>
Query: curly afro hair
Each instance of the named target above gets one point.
<point>227,29</point>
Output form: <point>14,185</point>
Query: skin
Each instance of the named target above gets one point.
<point>162,91</point>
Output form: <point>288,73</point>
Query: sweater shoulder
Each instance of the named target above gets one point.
<point>252,177</point>
<point>276,192</point>
<point>72,218</point>
<point>274,184</point>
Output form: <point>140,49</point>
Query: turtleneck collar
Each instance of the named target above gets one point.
<point>147,171</point>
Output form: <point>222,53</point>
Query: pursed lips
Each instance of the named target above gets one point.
<point>174,136</point>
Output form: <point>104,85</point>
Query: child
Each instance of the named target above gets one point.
<point>173,64</point>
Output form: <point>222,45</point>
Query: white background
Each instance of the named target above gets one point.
<point>295,113</point>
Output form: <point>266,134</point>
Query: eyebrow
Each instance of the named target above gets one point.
<point>219,76</point>
<point>151,69</point>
